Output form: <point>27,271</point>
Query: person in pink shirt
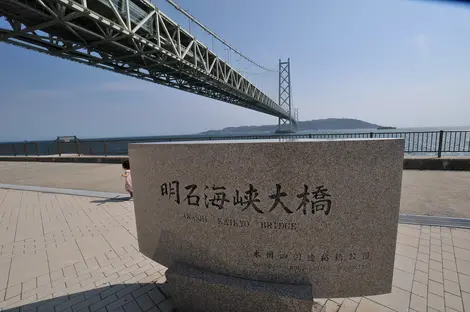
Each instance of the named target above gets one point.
<point>127,176</point>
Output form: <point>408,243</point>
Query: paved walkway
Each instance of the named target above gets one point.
<point>76,253</point>
<point>434,193</point>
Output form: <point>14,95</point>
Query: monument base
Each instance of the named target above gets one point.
<point>194,290</point>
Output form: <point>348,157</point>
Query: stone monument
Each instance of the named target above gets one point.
<point>269,225</point>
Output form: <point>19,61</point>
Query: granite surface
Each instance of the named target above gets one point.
<point>320,213</point>
<point>190,289</point>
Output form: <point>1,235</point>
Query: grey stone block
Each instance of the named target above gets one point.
<point>194,290</point>
<point>320,213</point>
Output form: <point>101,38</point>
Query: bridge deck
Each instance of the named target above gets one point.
<point>133,38</point>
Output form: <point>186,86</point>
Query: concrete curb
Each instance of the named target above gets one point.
<point>435,221</point>
<point>67,159</point>
<point>403,218</point>
<point>448,163</point>
<point>42,189</point>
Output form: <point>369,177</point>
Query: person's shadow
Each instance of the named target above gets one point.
<point>116,199</point>
<point>120,297</point>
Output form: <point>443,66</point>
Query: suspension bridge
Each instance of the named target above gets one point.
<point>137,39</point>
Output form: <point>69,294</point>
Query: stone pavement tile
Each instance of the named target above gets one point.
<point>69,271</point>
<point>118,238</point>
<point>398,299</point>
<point>451,287</point>
<point>102,303</point>
<point>462,254</point>
<point>418,303</point>
<point>436,276</point>
<point>466,301</point>
<point>166,306</point>
<point>30,301</point>
<point>402,279</point>
<point>463,266</point>
<point>29,224</point>
<point>43,280</point>
<point>404,263</point>
<point>424,243</point>
<point>424,249</point>
<point>119,303</point>
<point>436,240</point>
<point>436,249</point>
<point>421,277</point>
<point>436,302</point>
<point>448,248</point>
<point>451,275</point>
<point>408,231</point>
<point>461,243</point>
<point>453,302</point>
<point>13,291</point>
<point>9,302</point>
<point>24,268</point>
<point>29,285</point>
<point>422,266</point>
<point>2,294</point>
<point>369,306</point>
<point>407,251</point>
<point>330,306</point>
<point>412,241</point>
<point>132,307</point>
<point>63,256</point>
<point>434,256</point>
<point>448,256</point>
<point>460,233</point>
<point>93,245</point>
<point>144,302</point>
<point>464,282</point>
<point>449,264</point>
<point>348,306</point>
<point>157,296</point>
<point>423,257</point>
<point>435,265</point>
<point>4,271</point>
<point>420,289</point>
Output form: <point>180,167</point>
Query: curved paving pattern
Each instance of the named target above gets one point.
<point>63,252</point>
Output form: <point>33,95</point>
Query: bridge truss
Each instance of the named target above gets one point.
<point>134,38</point>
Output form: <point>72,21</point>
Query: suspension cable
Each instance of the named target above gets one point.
<point>177,7</point>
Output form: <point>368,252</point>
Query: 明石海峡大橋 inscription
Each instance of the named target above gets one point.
<point>219,197</point>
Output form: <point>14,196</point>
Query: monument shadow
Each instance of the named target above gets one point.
<point>132,296</point>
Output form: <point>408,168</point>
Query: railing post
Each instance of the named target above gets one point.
<point>371,135</point>
<point>441,138</point>
<point>105,148</point>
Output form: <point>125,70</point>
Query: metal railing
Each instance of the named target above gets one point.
<point>424,143</point>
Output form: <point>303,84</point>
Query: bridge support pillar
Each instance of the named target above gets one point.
<point>288,125</point>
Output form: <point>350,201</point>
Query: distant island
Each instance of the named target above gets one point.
<point>312,125</point>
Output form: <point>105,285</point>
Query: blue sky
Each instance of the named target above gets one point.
<point>390,62</point>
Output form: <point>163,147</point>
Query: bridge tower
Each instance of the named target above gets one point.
<point>286,125</point>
